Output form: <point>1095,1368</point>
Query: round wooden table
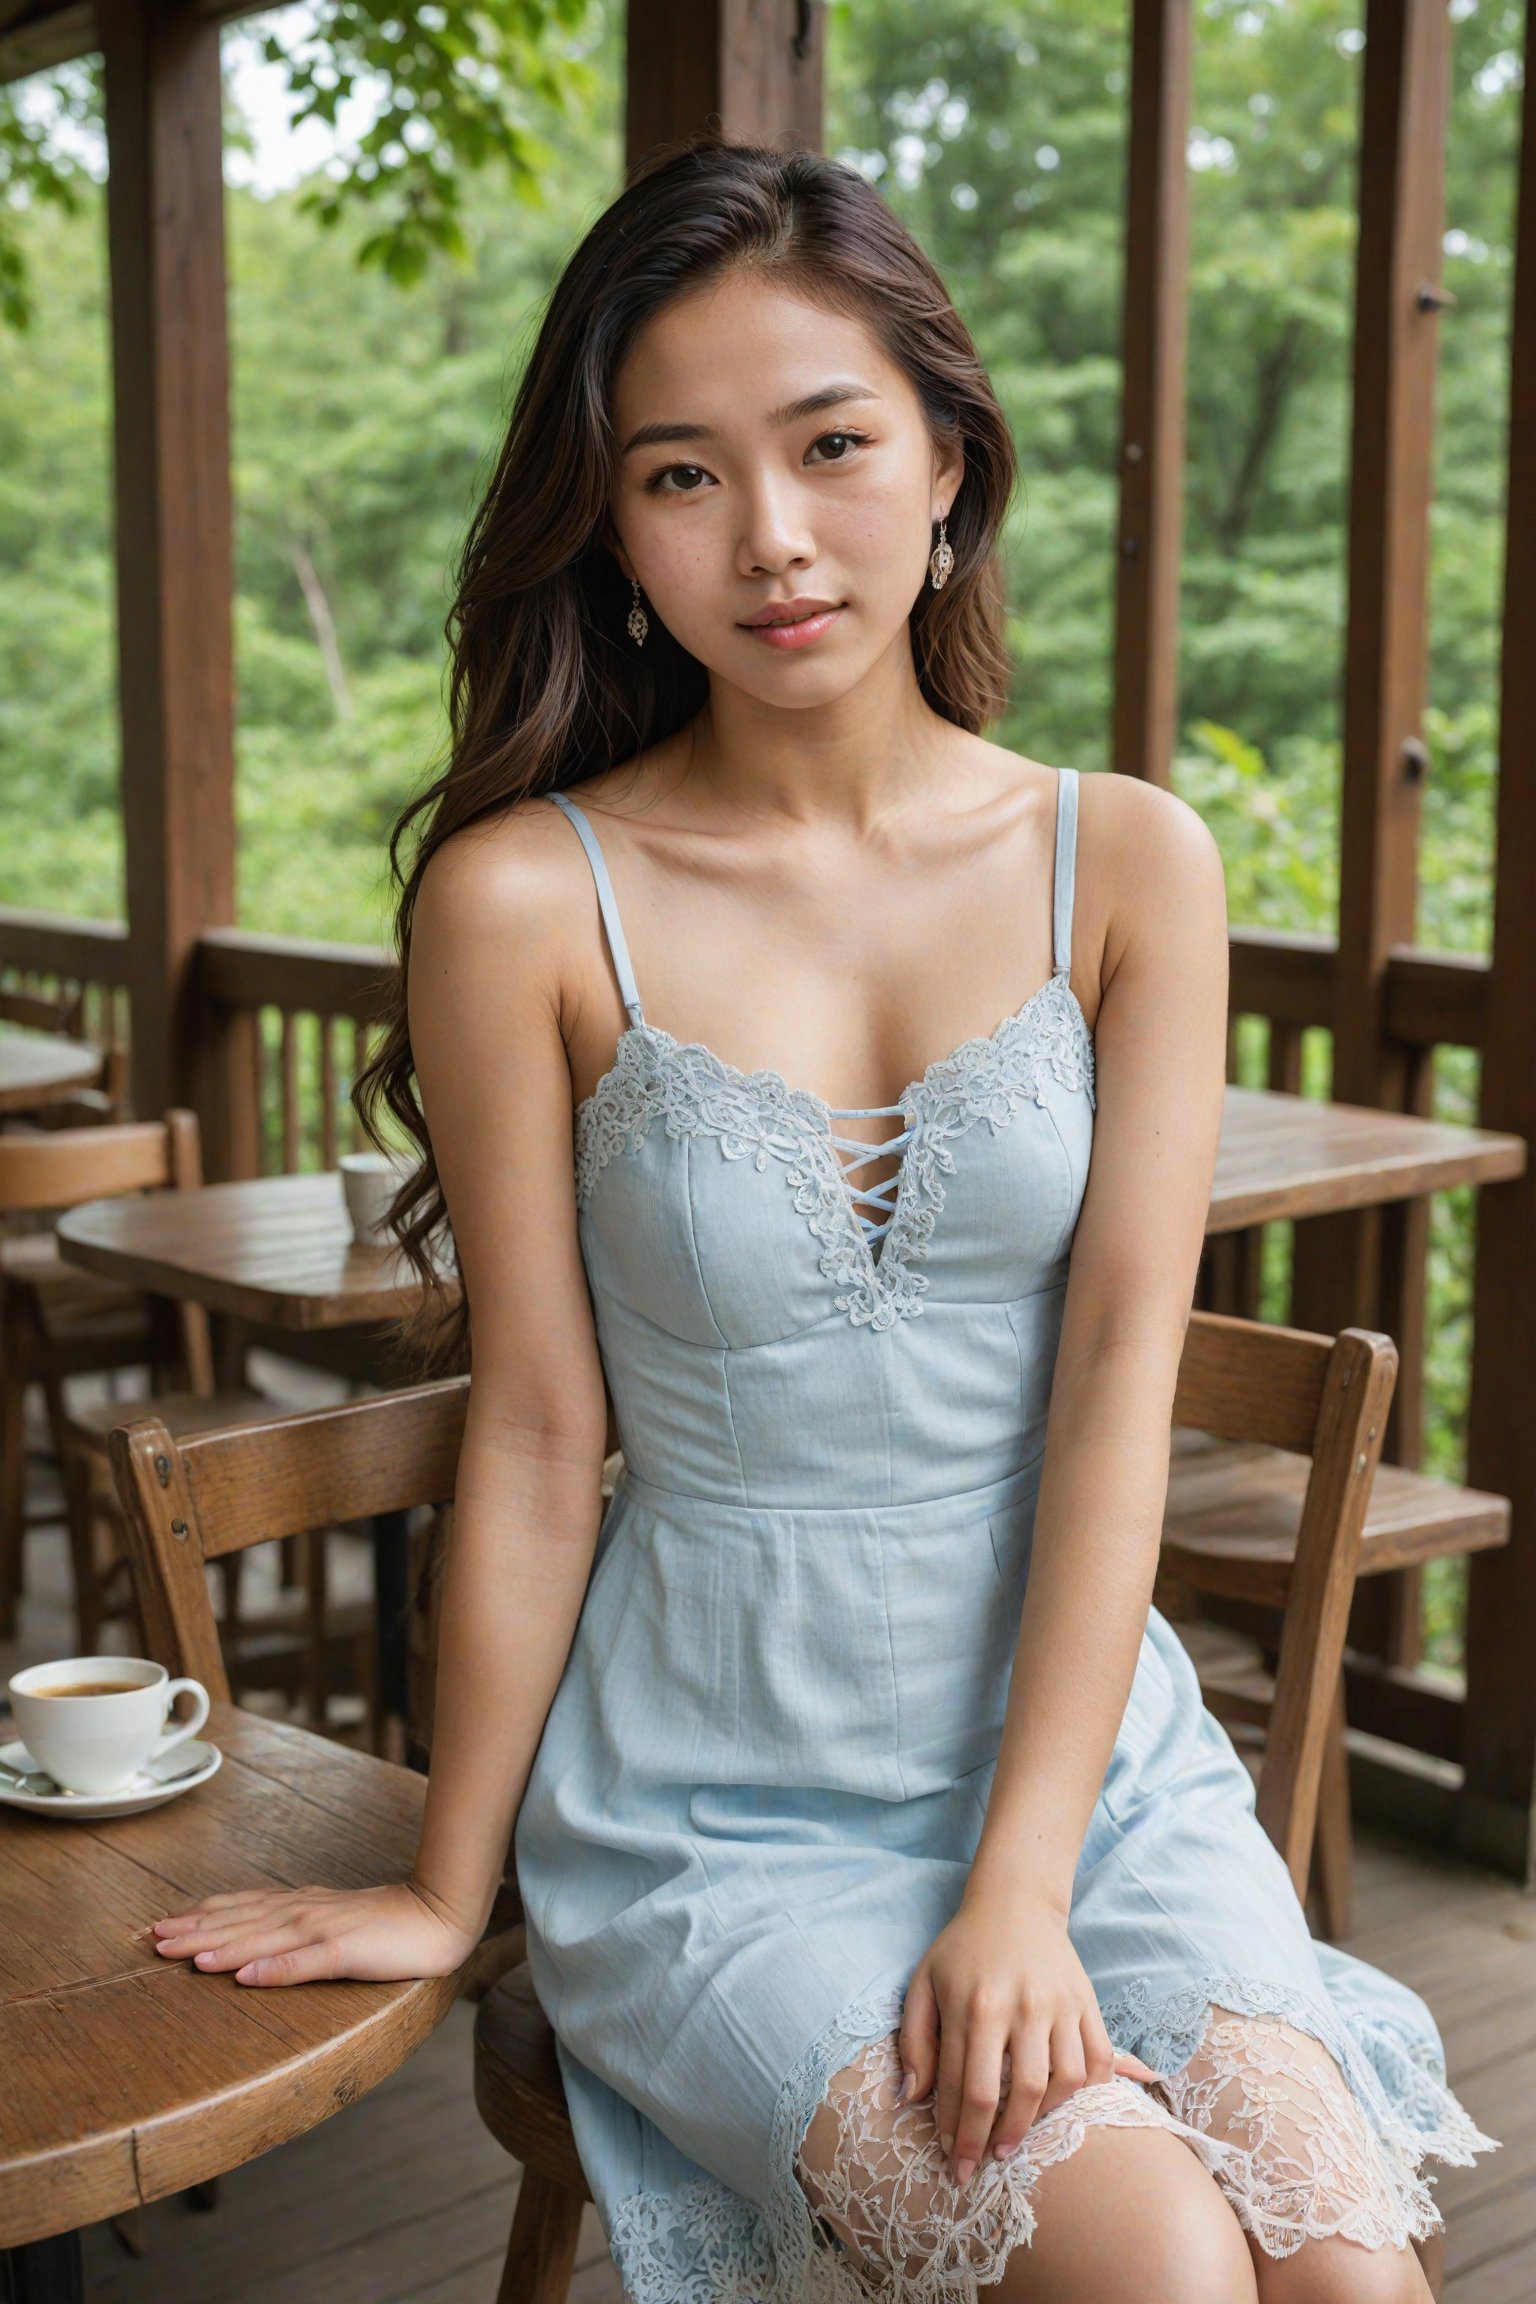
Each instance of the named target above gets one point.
<point>36,1067</point>
<point>127,2076</point>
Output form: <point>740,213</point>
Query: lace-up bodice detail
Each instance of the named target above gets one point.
<point>871,1236</point>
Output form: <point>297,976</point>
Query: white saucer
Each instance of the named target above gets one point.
<point>149,1789</point>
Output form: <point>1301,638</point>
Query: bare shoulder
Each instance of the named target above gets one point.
<point>1139,832</point>
<point>503,890</point>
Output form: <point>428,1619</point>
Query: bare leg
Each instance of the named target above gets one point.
<point>1309,2170</point>
<point>1088,2212</point>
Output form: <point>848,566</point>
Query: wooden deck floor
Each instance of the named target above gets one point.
<point>404,2199</point>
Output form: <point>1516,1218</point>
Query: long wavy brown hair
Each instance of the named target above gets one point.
<point>546,688</point>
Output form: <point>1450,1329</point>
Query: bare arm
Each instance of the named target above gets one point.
<point>1004,1975</point>
<point>495,1086</point>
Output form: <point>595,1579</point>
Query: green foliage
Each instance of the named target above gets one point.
<point>463,84</point>
<point>457,86</point>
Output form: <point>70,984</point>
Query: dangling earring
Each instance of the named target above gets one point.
<point>639,622</point>
<point>941,562</point>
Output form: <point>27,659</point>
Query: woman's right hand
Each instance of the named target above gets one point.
<point>299,1935</point>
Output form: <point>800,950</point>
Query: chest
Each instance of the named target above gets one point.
<point>716,1203</point>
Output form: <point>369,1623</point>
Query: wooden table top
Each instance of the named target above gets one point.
<point>279,1251</point>
<point>1294,1156</point>
<point>37,1066</point>
<point>128,2077</point>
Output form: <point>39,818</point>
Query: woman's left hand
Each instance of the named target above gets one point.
<point>1003,1977</point>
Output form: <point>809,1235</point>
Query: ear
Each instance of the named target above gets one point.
<point>608,537</point>
<point>948,473</point>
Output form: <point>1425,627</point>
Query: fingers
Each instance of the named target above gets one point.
<point>918,2042</point>
<point>1069,2065</point>
<point>980,2041</point>
<point>206,1929</point>
<point>1132,2068</point>
<point>1029,2075</point>
<point>304,1964</point>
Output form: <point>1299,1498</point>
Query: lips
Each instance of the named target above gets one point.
<point>789,612</point>
<point>790,626</point>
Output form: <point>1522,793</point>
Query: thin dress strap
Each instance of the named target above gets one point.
<point>607,905</point>
<point>1066,869</point>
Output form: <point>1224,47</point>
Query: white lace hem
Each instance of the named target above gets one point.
<point>1353,2170</point>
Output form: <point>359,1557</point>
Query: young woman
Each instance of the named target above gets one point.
<point>901,1913</point>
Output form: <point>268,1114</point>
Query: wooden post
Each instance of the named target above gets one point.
<point>1370,1268</point>
<point>753,66</point>
<point>175,567</point>
<point>1152,413</point>
<point>1500,1744</point>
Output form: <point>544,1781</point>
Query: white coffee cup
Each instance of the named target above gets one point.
<point>369,1181</point>
<point>98,1743</point>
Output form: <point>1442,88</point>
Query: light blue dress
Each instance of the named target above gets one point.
<point>764,1773</point>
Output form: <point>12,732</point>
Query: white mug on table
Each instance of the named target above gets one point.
<point>369,1181</point>
<point>93,1721</point>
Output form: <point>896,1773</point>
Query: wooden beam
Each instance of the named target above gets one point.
<point>46,32</point>
<point>754,67</point>
<point>1370,1268</point>
<point>1402,208</point>
<point>34,39</point>
<point>175,562</point>
<point>1497,1818</point>
<point>1152,401</point>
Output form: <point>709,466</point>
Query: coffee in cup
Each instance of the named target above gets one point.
<point>93,1721</point>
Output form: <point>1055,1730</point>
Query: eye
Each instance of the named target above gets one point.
<point>858,440</point>
<point>654,484</point>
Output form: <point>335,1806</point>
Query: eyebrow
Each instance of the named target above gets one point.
<point>830,396</point>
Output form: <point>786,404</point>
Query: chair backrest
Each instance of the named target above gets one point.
<point>218,1492</point>
<point>61,1167</point>
<point>43,1011</point>
<point>1324,1397</point>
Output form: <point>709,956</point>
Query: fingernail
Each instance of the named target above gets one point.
<point>1004,2151</point>
<point>908,2087</point>
<point>948,2143</point>
<point>964,2171</point>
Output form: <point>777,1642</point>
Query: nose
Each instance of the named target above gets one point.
<point>775,531</point>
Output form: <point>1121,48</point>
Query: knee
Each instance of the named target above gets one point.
<point>1341,2272</point>
<point>1131,2218</point>
<point>1189,2244</point>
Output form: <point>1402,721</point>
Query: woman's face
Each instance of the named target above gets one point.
<point>734,495</point>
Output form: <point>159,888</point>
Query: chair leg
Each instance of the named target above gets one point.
<point>1334,1846</point>
<point>541,2254</point>
<point>13,1456</point>
<point>80,1509</point>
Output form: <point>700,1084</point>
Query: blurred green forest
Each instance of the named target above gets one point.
<point>366,415</point>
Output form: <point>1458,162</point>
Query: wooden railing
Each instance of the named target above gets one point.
<point>50,954</point>
<point>296,1022</point>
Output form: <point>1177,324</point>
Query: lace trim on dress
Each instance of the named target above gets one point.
<point>1306,2154</point>
<point>757,1116</point>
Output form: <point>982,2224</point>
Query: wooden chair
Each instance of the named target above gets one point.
<point>1232,1532</point>
<point>57,1321</point>
<point>40,1339</point>
<point>1325,1399</point>
<point>208,1496</point>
